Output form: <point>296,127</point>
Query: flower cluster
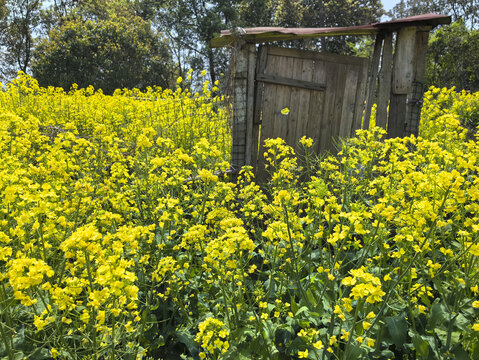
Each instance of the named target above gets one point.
<point>122,236</point>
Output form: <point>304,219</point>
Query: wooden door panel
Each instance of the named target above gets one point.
<point>323,92</point>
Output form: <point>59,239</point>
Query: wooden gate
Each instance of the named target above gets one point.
<point>324,94</point>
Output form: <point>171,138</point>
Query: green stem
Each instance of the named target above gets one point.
<point>5,341</point>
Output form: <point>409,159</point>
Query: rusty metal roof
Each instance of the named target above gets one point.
<point>265,34</point>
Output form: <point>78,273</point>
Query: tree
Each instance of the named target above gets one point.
<point>460,10</point>
<point>453,58</point>
<point>117,52</point>
<point>191,24</point>
<point>453,52</point>
<point>327,13</point>
<point>17,40</point>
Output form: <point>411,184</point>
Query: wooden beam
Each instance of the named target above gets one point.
<point>372,79</point>
<point>385,82</point>
<point>279,80</point>
<point>320,56</point>
<point>229,40</point>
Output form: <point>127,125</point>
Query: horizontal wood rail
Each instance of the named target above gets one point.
<point>279,80</point>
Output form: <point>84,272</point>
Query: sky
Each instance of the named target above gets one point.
<point>389,4</point>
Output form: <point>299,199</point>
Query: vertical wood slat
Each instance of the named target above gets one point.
<point>385,78</point>
<point>304,101</point>
<point>339,98</point>
<point>293,117</point>
<point>373,73</point>
<point>239,107</point>
<point>299,111</point>
<point>397,115</point>
<point>269,97</point>
<point>333,80</point>
<point>360,98</point>
<point>347,112</point>
<point>325,141</point>
<point>251,49</point>
<point>316,104</point>
<point>258,104</point>
<point>283,99</point>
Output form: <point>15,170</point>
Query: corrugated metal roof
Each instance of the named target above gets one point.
<point>265,34</point>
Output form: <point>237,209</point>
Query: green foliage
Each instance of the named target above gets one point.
<point>327,13</point>
<point>453,57</point>
<point>109,54</point>
<point>460,10</point>
<point>453,54</point>
<point>20,20</point>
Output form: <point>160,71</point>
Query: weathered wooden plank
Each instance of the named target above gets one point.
<point>402,81</point>
<point>283,98</point>
<point>338,103</point>
<point>360,99</point>
<point>316,104</point>
<point>262,35</point>
<point>228,40</point>
<point>304,100</point>
<point>269,99</point>
<point>239,108</point>
<point>397,115</point>
<point>280,80</point>
<point>332,74</point>
<point>385,82</point>
<point>294,103</point>
<point>349,100</point>
<point>413,111</point>
<point>422,39</point>
<point>250,102</point>
<point>323,56</point>
<point>403,69</point>
<point>373,73</point>
<point>258,105</point>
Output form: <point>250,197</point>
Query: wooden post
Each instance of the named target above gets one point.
<point>414,101</point>
<point>408,81</point>
<point>403,76</point>
<point>372,79</point>
<point>238,150</point>
<point>385,82</point>
<point>258,104</point>
<point>251,48</point>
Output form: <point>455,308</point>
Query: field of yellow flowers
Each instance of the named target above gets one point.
<point>120,240</point>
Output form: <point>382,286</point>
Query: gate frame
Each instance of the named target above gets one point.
<point>400,80</point>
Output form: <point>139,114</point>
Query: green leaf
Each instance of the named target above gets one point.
<point>397,327</point>
<point>189,342</point>
<point>437,315</point>
<point>294,305</point>
<point>460,353</point>
<point>352,352</point>
<point>462,322</point>
<point>421,346</point>
<point>311,298</point>
<point>302,309</point>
